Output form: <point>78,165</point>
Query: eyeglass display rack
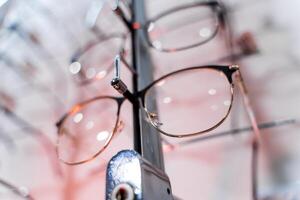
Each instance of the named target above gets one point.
<point>146,160</point>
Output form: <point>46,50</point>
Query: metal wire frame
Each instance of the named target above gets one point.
<point>121,100</point>
<point>15,190</point>
<point>80,53</point>
<point>101,38</point>
<point>215,6</point>
<point>35,132</point>
<point>93,14</point>
<point>139,99</point>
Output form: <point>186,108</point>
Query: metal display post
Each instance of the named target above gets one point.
<point>146,135</point>
<point>139,174</point>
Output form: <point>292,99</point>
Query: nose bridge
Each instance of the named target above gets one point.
<point>229,70</point>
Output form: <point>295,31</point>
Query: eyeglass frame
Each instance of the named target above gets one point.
<point>81,51</point>
<point>15,190</point>
<point>215,5</point>
<point>139,99</point>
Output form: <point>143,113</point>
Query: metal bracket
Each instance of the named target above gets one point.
<point>130,177</point>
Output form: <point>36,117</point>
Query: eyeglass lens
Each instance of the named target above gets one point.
<point>202,93</point>
<point>97,60</point>
<point>87,130</point>
<point>198,24</point>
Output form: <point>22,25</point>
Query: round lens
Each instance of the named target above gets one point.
<point>185,28</point>
<point>190,101</point>
<point>97,59</point>
<point>87,130</point>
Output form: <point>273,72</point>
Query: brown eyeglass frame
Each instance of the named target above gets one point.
<point>214,5</point>
<point>15,190</point>
<point>79,53</point>
<point>139,98</point>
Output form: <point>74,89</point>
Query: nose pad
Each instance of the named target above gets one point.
<point>247,43</point>
<point>120,126</point>
<point>153,118</point>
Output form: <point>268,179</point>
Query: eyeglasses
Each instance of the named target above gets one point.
<point>94,62</point>
<point>7,106</point>
<point>11,192</point>
<point>198,22</point>
<point>87,129</point>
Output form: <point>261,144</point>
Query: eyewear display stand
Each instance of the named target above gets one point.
<point>131,177</point>
<point>139,174</point>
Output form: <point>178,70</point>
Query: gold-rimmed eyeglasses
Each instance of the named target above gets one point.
<point>87,129</point>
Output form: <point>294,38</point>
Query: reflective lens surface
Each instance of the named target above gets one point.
<point>190,101</point>
<point>183,29</point>
<point>96,60</point>
<point>87,130</point>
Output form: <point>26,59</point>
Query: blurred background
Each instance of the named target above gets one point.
<point>39,84</point>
